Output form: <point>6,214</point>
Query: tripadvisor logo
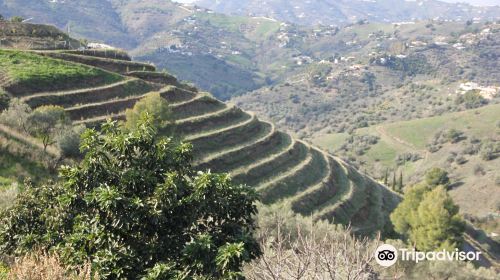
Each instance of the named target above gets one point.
<point>387,255</point>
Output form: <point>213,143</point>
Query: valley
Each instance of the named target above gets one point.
<point>335,113</point>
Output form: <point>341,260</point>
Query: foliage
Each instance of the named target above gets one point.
<point>407,157</point>
<point>68,140</point>
<point>154,105</point>
<point>471,99</point>
<point>489,150</point>
<point>17,115</point>
<point>16,19</point>
<point>437,176</point>
<point>410,65</point>
<point>50,124</point>
<point>454,135</point>
<point>427,215</point>
<point>44,121</point>
<point>134,207</point>
<point>4,271</point>
<point>437,224</point>
<point>359,144</point>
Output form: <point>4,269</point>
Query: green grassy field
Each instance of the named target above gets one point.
<point>260,27</point>
<point>413,136</point>
<point>480,123</point>
<point>30,73</point>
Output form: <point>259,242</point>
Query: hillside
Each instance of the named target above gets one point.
<point>149,29</point>
<point>410,147</point>
<point>226,139</point>
<point>343,12</point>
<point>230,55</point>
<point>382,73</point>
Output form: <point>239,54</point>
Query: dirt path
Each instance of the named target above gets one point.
<point>383,133</point>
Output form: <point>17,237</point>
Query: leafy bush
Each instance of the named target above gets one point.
<point>407,157</point>
<point>437,176</point>
<point>489,150</point>
<point>16,19</point>
<point>154,105</point>
<point>16,115</point>
<point>359,144</point>
<point>68,140</point>
<point>50,124</point>
<point>461,160</point>
<point>454,136</point>
<point>135,207</point>
<point>471,99</point>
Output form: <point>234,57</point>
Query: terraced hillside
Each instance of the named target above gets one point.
<point>227,139</point>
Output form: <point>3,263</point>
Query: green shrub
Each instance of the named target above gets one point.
<point>16,19</point>
<point>437,176</point>
<point>489,150</point>
<point>68,140</point>
<point>16,115</point>
<point>471,99</point>
<point>155,106</point>
<point>134,207</point>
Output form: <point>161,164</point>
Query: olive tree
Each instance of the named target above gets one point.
<point>45,121</point>
<point>153,104</point>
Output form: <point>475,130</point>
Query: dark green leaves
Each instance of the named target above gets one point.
<point>135,208</point>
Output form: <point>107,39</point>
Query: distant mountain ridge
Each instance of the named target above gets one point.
<point>339,12</point>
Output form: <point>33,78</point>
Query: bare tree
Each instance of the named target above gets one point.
<point>305,254</point>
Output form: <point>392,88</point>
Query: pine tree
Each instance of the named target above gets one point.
<point>394,181</point>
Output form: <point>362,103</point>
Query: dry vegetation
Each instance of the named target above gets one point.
<point>45,266</point>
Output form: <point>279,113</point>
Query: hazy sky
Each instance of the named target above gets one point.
<point>474,2</point>
<point>477,2</point>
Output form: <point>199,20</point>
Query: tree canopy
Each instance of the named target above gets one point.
<point>427,215</point>
<point>45,121</point>
<point>136,208</point>
<point>437,176</point>
<point>155,106</point>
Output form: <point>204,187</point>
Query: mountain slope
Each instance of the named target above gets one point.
<point>475,176</point>
<point>227,139</point>
<point>326,12</point>
<point>96,19</point>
